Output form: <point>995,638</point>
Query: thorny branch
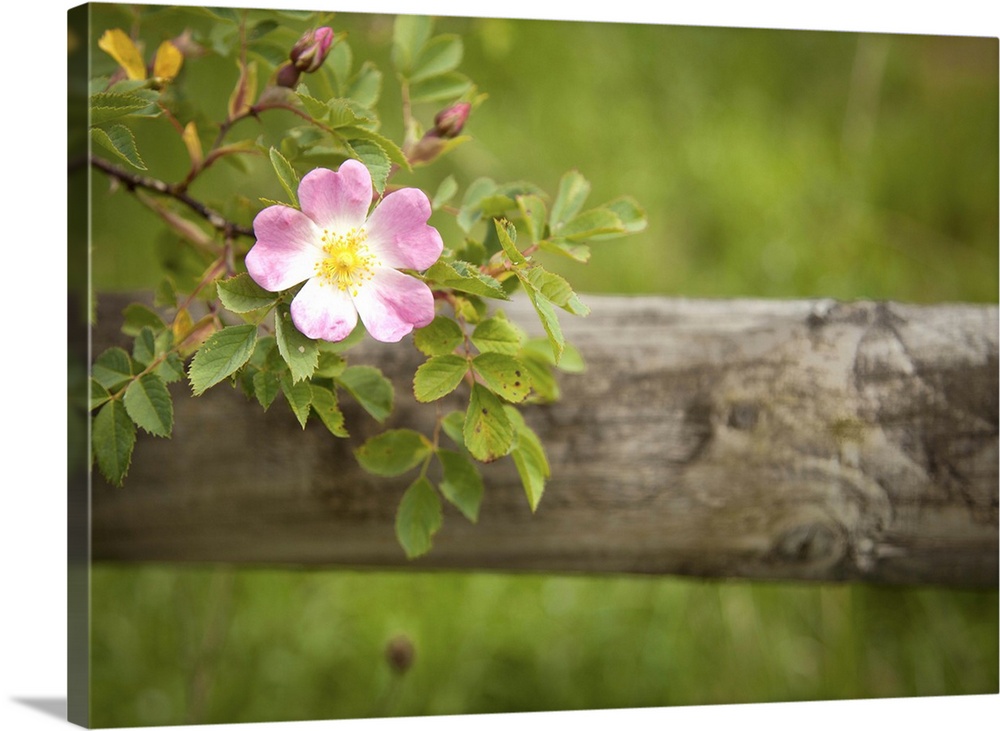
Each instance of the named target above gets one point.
<point>132,181</point>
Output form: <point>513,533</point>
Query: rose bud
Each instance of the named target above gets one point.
<point>449,122</point>
<point>311,49</point>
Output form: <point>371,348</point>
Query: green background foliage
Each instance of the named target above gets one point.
<point>772,164</point>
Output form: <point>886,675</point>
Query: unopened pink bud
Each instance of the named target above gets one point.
<point>310,51</point>
<point>449,122</point>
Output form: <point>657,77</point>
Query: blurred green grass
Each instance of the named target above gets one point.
<point>225,645</point>
<point>772,164</point>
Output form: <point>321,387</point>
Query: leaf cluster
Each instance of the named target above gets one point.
<point>212,324</point>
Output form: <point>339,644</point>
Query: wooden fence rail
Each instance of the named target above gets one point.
<point>796,440</point>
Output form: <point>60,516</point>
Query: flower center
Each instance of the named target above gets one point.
<point>348,263</point>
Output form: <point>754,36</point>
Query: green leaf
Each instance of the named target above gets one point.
<point>445,87</point>
<point>370,389</point>
<point>113,439</point>
<point>340,62</point>
<point>472,252</point>
<point>409,36</point>
<point>440,337</point>
<point>445,192</point>
<point>148,403</point>
<point>549,321</point>
<point>137,317</point>
<point>393,452</point>
<point>118,139</point>
<point>171,369</point>
<point>543,381</point>
<point>629,212</point>
<point>533,211</point>
<point>99,395</point>
<point>496,205</point>
<point>464,277</point>
<point>576,252</point>
<point>487,432</point>
<point>265,354</point>
<point>453,424</point>
<point>438,377</point>
<point>348,113</point>
<point>470,308</point>
<point>112,368</point>
<point>330,365</point>
<point>475,282</point>
<point>241,294</point>
<point>324,405</point>
<point>165,294</point>
<point>298,351</point>
<point>375,159</point>
<point>519,188</point>
<point>221,355</point>
<point>555,289</point>
<point>109,105</point>
<point>299,397</point>
<point>508,236</point>
<point>595,222</point>
<point>366,87</point>
<point>441,55</point>
<point>418,518</point>
<point>144,347</point>
<point>287,176</point>
<point>314,107</point>
<point>529,458</point>
<point>504,375</point>
<point>573,192</point>
<point>470,213</point>
<point>539,349</point>
<point>497,335</point>
<point>266,385</point>
<point>461,484</point>
<point>387,146</point>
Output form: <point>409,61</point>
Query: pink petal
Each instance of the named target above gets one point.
<point>337,200</point>
<point>398,232</point>
<point>286,251</point>
<point>323,311</point>
<point>393,303</point>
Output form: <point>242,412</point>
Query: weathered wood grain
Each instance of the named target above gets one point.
<point>795,440</point>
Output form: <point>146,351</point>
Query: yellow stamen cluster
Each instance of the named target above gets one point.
<point>348,263</point>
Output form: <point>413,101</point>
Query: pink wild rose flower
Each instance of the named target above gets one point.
<point>348,259</point>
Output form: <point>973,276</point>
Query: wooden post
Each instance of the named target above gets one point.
<point>795,440</point>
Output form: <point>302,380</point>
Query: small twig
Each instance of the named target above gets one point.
<point>133,181</point>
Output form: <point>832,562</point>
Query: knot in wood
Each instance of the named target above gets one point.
<point>810,543</point>
<point>743,415</point>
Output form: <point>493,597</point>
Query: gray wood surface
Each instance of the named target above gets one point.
<point>791,440</point>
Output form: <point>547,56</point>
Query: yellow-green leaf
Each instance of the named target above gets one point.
<point>504,375</point>
<point>440,337</point>
<point>488,432</point>
<point>324,405</point>
<point>461,484</point>
<point>418,518</point>
<point>370,389</point>
<point>393,452</point>
<point>438,377</point>
<point>168,61</point>
<point>123,50</point>
<point>497,335</point>
<point>193,144</point>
